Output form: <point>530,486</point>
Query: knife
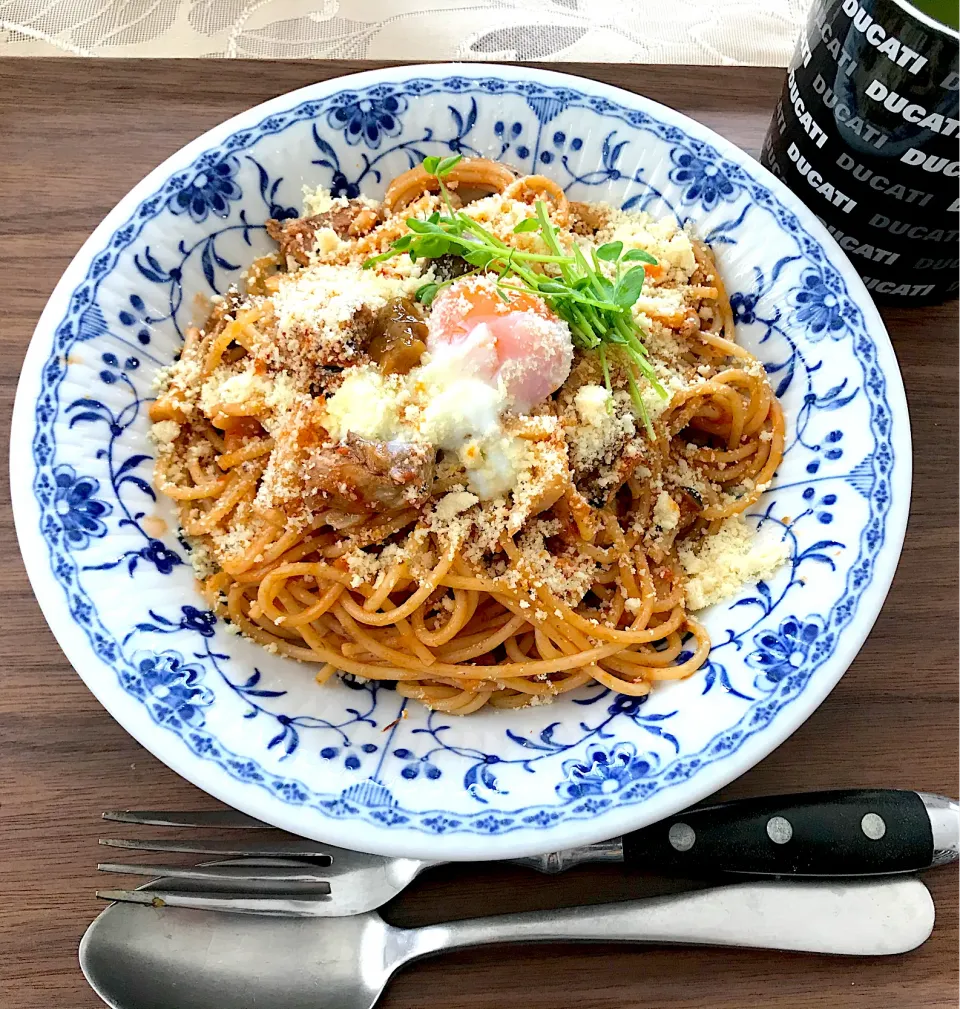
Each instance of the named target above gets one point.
<point>848,832</point>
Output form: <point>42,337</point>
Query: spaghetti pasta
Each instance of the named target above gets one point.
<point>421,472</point>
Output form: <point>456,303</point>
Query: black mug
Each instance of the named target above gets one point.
<point>866,133</point>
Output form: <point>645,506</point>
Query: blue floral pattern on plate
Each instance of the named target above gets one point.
<point>211,191</point>
<point>173,688</point>
<point>368,120</point>
<point>81,514</point>
<point>355,753</point>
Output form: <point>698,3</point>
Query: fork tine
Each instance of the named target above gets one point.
<point>277,874</point>
<point>223,818</point>
<point>292,848</point>
<point>281,906</point>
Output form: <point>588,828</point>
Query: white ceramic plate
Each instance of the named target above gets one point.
<point>351,763</point>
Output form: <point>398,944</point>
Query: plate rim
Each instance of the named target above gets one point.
<point>409,843</point>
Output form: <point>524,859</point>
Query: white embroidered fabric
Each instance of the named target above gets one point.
<point>744,32</point>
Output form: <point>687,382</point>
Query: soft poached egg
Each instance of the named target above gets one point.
<point>518,344</point>
<point>485,357</point>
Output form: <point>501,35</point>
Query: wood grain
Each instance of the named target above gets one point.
<point>76,136</point>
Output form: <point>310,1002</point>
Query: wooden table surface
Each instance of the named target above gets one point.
<point>76,135</point>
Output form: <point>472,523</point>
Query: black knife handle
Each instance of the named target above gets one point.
<point>843,833</point>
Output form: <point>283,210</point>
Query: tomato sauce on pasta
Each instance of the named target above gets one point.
<point>413,467</point>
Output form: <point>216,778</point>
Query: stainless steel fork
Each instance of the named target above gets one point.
<point>336,882</point>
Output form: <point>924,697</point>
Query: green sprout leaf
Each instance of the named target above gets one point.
<point>629,287</point>
<point>445,166</point>
<point>427,293</point>
<point>573,282</point>
<point>481,257</point>
<point>433,246</point>
<point>610,252</point>
<point>639,256</point>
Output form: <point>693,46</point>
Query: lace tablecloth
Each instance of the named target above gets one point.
<point>756,32</point>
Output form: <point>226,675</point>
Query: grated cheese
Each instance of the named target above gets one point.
<point>320,201</point>
<point>594,405</point>
<point>668,244</point>
<point>719,566</point>
<point>365,404</point>
<point>363,567</point>
<point>327,244</point>
<point>202,560</point>
<point>326,296</point>
<point>453,504</point>
<point>666,512</point>
<point>164,434</point>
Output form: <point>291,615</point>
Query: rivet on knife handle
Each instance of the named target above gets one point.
<point>852,832</point>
